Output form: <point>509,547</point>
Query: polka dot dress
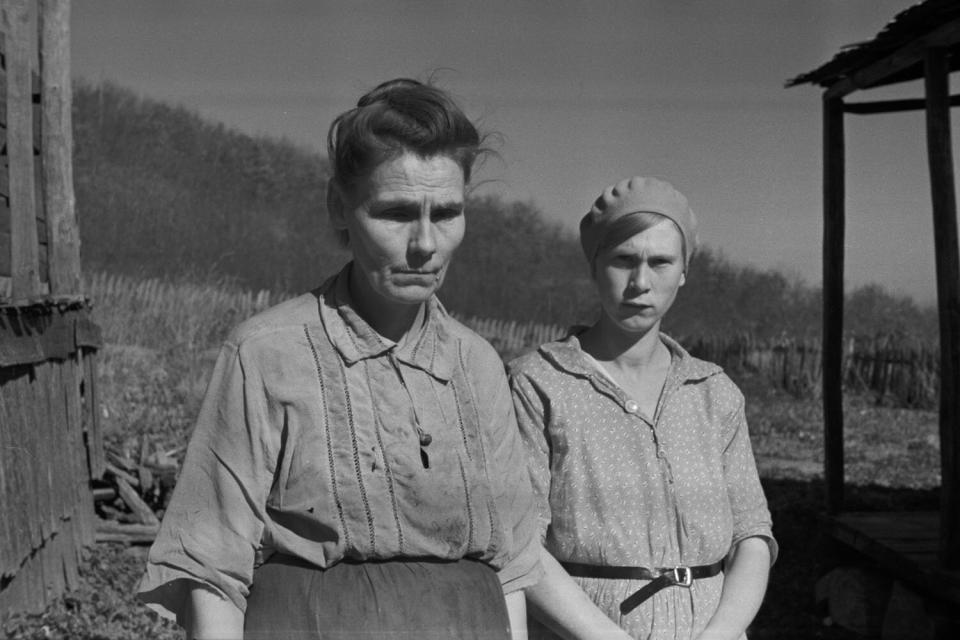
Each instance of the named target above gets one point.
<point>616,487</point>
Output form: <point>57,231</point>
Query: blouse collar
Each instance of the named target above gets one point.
<point>433,349</point>
<point>567,354</point>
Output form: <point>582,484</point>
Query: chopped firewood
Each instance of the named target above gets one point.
<point>110,531</point>
<point>122,460</point>
<point>132,499</point>
<point>145,476</point>
<point>120,474</point>
<point>162,460</point>
<point>104,494</point>
<point>144,450</point>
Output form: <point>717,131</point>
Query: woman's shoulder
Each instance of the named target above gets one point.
<point>472,344</point>
<point>283,317</point>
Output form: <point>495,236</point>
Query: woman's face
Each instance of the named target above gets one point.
<point>404,222</point>
<point>638,279</point>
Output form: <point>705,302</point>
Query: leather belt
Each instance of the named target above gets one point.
<point>659,578</point>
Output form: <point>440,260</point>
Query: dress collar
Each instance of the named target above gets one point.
<point>431,348</point>
<point>567,354</point>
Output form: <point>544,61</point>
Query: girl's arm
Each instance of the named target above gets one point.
<point>559,602</point>
<point>210,616</point>
<point>744,585</point>
<point>517,611</point>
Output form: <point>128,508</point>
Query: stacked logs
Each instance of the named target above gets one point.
<point>133,493</point>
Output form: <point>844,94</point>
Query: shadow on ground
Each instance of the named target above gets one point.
<point>790,610</point>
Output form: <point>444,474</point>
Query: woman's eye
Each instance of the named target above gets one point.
<point>446,214</point>
<point>395,214</point>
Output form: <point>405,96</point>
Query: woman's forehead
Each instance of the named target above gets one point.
<point>410,176</point>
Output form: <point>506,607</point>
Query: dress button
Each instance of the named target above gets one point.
<point>631,406</point>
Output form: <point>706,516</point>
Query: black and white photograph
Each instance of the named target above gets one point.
<point>479,320</point>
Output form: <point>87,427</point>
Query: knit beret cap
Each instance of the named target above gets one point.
<point>637,195</point>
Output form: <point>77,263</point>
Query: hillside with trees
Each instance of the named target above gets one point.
<point>163,192</point>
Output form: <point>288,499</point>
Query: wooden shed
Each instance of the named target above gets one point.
<point>920,43</point>
<point>50,445</point>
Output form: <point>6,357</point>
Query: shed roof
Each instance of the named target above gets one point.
<point>930,17</point>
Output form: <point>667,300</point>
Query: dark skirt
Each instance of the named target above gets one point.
<point>292,600</point>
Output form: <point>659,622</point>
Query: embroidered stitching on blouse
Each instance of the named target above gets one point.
<point>356,458</point>
<point>466,493</point>
<point>386,462</point>
<point>326,429</point>
<point>416,347</point>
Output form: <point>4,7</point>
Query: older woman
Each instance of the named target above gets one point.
<point>356,469</point>
<point>641,462</point>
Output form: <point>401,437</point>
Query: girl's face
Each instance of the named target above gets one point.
<point>638,279</point>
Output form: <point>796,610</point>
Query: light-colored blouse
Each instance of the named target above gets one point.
<point>320,440</point>
<point>615,487</point>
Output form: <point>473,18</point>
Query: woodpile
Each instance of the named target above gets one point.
<point>131,496</point>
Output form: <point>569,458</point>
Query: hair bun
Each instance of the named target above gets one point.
<point>383,91</point>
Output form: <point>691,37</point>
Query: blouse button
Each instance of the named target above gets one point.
<point>631,406</point>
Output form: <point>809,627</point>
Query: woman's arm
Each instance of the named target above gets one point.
<point>210,616</point>
<point>744,585</point>
<point>559,602</point>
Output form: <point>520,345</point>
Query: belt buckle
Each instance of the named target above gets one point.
<point>682,576</point>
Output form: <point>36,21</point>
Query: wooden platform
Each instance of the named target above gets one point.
<point>903,543</point>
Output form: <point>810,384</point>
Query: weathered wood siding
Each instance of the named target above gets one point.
<point>50,444</point>
<point>49,450</point>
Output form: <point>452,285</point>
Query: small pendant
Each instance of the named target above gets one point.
<point>425,440</point>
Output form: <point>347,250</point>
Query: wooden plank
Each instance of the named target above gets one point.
<point>907,56</point>
<point>110,531</point>
<point>940,159</point>
<point>8,556</point>
<point>834,223</point>
<point>84,517</point>
<point>42,452</point>
<point>26,461</point>
<point>65,487</point>
<point>892,106</point>
<point>57,147</point>
<point>143,513</point>
<point>16,471</point>
<point>24,246</point>
<point>920,569</point>
<point>92,415</point>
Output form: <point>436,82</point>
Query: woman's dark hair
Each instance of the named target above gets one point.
<point>398,116</point>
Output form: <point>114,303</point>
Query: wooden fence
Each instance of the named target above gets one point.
<point>897,371</point>
<point>50,445</point>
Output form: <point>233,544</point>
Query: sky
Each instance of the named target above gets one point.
<point>581,94</point>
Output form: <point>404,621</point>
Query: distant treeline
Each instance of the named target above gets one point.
<point>162,192</point>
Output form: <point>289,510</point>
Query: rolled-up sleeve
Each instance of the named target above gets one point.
<point>508,475</point>
<point>751,516</point>
<point>531,421</point>
<point>214,522</point>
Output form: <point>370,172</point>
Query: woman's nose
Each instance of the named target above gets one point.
<point>423,240</point>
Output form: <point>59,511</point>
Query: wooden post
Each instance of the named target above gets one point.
<point>57,147</point>
<point>940,158</point>
<point>24,250</point>
<point>832,352</point>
